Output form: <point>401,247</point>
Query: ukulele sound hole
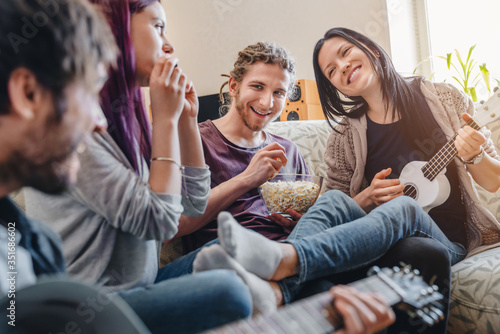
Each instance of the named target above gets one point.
<point>411,191</point>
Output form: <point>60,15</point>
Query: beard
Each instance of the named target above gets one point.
<point>46,177</point>
<point>240,108</point>
<point>49,174</point>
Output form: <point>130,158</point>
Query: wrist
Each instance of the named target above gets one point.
<point>475,159</point>
<point>165,123</point>
<point>244,182</point>
<point>188,122</point>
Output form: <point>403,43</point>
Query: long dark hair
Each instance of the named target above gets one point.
<point>404,93</point>
<point>121,97</point>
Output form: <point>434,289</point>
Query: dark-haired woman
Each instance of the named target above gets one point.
<point>386,121</point>
<point>135,182</point>
<point>389,121</point>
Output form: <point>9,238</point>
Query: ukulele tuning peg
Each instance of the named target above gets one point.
<point>482,101</point>
<point>396,269</point>
<point>486,107</point>
<point>416,272</point>
<point>435,288</point>
<point>495,89</point>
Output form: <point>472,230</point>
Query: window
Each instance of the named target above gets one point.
<point>426,29</point>
<point>459,24</point>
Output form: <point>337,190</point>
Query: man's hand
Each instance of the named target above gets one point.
<point>363,313</point>
<point>287,224</point>
<point>265,164</point>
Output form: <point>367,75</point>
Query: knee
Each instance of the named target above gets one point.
<point>232,295</point>
<point>334,196</point>
<point>424,252</point>
<point>406,204</point>
<point>405,201</point>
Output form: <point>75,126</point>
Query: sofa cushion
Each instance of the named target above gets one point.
<point>475,294</point>
<point>310,137</point>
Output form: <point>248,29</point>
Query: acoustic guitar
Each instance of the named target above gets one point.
<point>316,315</point>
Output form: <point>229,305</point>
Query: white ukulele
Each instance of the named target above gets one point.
<point>425,181</point>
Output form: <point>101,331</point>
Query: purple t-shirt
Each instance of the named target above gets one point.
<point>227,160</point>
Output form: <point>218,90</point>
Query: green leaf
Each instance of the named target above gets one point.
<point>460,60</point>
<point>472,91</point>
<point>486,76</point>
<point>470,51</point>
<point>448,59</point>
<point>461,84</point>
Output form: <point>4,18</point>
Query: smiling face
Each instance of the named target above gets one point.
<point>148,34</point>
<point>347,67</point>
<point>261,95</point>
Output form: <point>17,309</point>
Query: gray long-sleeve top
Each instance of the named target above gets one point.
<point>111,222</point>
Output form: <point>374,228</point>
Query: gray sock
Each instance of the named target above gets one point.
<point>254,252</point>
<point>215,257</point>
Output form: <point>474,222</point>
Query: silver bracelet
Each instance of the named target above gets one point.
<point>181,167</point>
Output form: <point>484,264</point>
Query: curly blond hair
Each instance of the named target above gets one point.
<point>266,52</point>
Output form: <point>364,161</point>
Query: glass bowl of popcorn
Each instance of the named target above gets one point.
<point>291,191</point>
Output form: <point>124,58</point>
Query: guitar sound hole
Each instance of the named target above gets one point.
<point>410,191</point>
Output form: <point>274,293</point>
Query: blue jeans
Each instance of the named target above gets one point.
<point>191,304</point>
<point>336,236</point>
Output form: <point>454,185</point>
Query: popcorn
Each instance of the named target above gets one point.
<point>282,195</point>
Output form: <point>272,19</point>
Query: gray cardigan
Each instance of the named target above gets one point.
<point>111,222</point>
<point>346,152</point>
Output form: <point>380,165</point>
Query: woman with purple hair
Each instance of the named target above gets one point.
<point>135,181</point>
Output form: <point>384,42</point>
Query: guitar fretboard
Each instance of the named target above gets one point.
<point>310,315</point>
<point>444,156</point>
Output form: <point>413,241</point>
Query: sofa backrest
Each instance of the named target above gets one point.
<point>310,137</point>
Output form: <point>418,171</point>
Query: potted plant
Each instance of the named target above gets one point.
<point>468,74</point>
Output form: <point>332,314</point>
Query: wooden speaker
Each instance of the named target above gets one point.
<point>304,91</point>
<point>295,111</point>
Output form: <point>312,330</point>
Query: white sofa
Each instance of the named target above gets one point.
<point>475,295</point>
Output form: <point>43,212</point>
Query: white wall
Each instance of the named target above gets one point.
<point>207,34</point>
<point>408,31</point>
